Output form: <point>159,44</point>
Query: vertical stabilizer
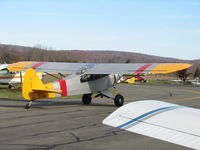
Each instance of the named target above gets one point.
<point>33,88</point>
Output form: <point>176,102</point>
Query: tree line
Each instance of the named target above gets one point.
<point>11,54</point>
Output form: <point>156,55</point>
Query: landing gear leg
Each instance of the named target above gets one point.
<point>118,99</point>
<point>27,106</point>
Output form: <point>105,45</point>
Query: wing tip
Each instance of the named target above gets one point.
<point>18,66</point>
<point>165,68</point>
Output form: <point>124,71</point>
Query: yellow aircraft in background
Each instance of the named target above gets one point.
<point>12,77</point>
<point>132,78</point>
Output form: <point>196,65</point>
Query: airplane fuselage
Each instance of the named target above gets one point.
<point>76,84</point>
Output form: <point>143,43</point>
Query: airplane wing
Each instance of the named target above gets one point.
<point>165,121</point>
<point>101,68</point>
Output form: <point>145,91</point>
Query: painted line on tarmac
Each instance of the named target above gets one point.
<point>188,98</point>
<point>189,91</point>
<point>174,89</point>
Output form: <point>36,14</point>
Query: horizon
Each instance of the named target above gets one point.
<point>159,28</point>
<point>50,49</point>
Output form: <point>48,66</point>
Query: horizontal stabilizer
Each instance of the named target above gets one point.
<point>48,90</point>
<point>165,121</point>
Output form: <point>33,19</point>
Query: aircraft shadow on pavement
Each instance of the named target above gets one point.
<point>14,100</point>
<point>46,103</point>
<point>7,102</point>
<point>12,103</point>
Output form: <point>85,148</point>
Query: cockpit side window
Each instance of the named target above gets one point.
<point>4,72</point>
<point>7,72</point>
<point>91,77</point>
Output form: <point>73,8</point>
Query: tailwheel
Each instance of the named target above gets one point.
<point>27,106</point>
<point>119,100</point>
<point>86,99</point>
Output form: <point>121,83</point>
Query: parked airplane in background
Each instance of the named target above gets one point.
<point>12,77</point>
<point>132,78</point>
<point>85,78</point>
<point>165,121</point>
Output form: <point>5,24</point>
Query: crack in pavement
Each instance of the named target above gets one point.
<point>57,131</point>
<point>26,124</point>
<point>34,123</point>
<point>75,136</point>
<point>108,134</point>
<point>77,140</point>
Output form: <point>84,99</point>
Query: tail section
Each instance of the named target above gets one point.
<point>33,88</point>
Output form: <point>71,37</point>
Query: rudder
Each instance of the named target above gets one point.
<point>33,88</point>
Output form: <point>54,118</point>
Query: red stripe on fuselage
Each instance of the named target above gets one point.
<point>141,69</point>
<point>37,65</point>
<point>63,87</point>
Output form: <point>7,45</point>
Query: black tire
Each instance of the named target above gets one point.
<point>86,99</point>
<point>119,100</point>
<point>27,106</point>
<point>10,86</point>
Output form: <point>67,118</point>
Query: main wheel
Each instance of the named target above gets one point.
<point>86,99</point>
<point>143,81</point>
<point>10,86</point>
<point>119,100</point>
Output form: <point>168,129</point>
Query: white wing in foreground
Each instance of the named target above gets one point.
<point>165,121</point>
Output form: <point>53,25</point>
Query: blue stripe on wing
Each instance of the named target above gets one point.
<point>147,115</point>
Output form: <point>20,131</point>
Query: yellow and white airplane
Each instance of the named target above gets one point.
<point>85,79</point>
<point>12,77</point>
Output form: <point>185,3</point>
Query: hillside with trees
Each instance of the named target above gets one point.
<point>12,53</point>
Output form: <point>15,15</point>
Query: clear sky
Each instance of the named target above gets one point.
<point>169,28</point>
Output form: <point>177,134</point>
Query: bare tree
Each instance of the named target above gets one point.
<point>197,73</point>
<point>7,55</point>
<point>183,75</point>
<point>128,61</point>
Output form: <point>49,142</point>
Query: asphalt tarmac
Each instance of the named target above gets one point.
<point>67,124</point>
